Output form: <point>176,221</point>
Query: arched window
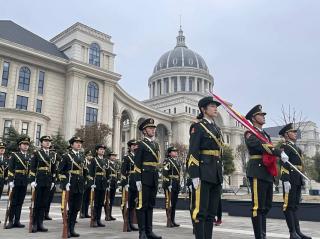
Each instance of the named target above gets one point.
<point>24,78</point>
<point>94,54</point>
<point>93,92</point>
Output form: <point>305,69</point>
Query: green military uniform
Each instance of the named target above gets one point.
<point>18,171</point>
<point>98,173</point>
<point>261,181</point>
<point>204,163</point>
<point>72,173</point>
<point>171,185</point>
<point>3,169</point>
<point>146,162</point>
<point>112,184</point>
<point>292,198</point>
<point>128,183</point>
<point>87,189</point>
<point>42,172</point>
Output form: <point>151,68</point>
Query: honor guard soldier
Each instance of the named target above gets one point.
<point>112,186</point>
<point>98,173</point>
<point>261,181</point>
<point>171,184</point>
<point>205,167</point>
<point>3,167</point>
<point>42,178</point>
<point>128,184</point>
<point>87,189</point>
<point>146,163</point>
<point>72,174</point>
<point>18,170</point>
<point>55,160</point>
<point>292,181</point>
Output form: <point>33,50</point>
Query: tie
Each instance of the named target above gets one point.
<point>78,155</point>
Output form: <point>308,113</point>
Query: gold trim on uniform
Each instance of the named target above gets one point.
<point>136,169</point>
<point>255,156</point>
<point>197,204</point>
<point>284,170</point>
<point>286,200</point>
<point>210,152</point>
<point>255,198</point>
<point>153,164</point>
<point>139,200</point>
<point>192,160</point>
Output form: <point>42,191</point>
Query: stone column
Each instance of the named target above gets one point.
<point>162,86</point>
<point>178,84</point>
<point>133,130</point>
<point>170,85</point>
<point>155,88</point>
<point>170,137</point>
<point>116,134</point>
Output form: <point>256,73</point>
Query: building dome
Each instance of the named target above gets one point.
<point>180,56</point>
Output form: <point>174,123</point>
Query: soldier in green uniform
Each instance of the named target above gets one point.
<point>146,163</point>
<point>98,173</point>
<point>205,167</point>
<point>292,181</point>
<point>112,184</point>
<point>18,170</point>
<point>72,174</point>
<point>3,167</point>
<point>261,181</point>
<point>87,189</point>
<point>128,183</point>
<point>171,183</point>
<point>42,178</point>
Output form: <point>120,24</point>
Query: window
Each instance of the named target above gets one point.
<point>3,96</point>
<point>41,83</point>
<point>39,106</point>
<point>186,109</point>
<point>24,79</point>
<point>25,127</point>
<point>166,85</point>
<point>93,92</point>
<point>183,83</point>
<point>193,111</point>
<point>94,54</point>
<point>198,84</point>
<point>91,115</point>
<point>22,102</point>
<point>175,84</point>
<point>38,134</point>
<point>174,110</point>
<point>191,79</point>
<point>169,111</point>
<point>5,74</point>
<point>7,125</point>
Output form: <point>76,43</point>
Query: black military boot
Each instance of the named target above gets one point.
<point>98,217</point>
<point>72,232</point>
<point>142,224</point>
<point>292,230</point>
<point>199,231</point>
<point>149,232</point>
<point>17,217</point>
<point>130,216</point>
<point>34,222</point>
<point>257,226</point>
<point>40,218</point>
<point>173,216</point>
<point>297,226</point>
<point>46,216</point>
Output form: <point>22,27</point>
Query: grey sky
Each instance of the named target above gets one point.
<point>259,51</point>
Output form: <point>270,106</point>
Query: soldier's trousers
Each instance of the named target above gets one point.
<point>85,202</point>
<point>112,196</point>
<point>173,202</point>
<point>18,195</point>
<point>50,198</point>
<point>41,199</point>
<point>146,202</point>
<point>98,203</point>
<point>1,186</point>
<point>74,207</point>
<point>261,203</point>
<point>291,202</point>
<point>207,197</point>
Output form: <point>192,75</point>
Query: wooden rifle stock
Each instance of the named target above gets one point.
<point>65,201</point>
<point>8,208</point>
<point>125,210</point>
<point>31,213</point>
<point>92,219</point>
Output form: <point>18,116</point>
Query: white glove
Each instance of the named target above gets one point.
<point>126,187</point>
<point>139,186</point>
<point>11,184</point>
<point>287,186</point>
<point>93,186</point>
<point>284,157</point>
<point>33,185</point>
<point>190,188</point>
<point>170,188</point>
<point>68,186</point>
<point>108,189</point>
<point>196,182</point>
<point>52,185</point>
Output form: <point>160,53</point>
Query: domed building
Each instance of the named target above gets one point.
<point>57,86</point>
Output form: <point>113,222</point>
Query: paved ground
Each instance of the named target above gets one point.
<point>232,227</point>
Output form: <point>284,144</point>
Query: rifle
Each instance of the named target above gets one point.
<point>169,206</point>
<point>92,195</point>
<point>125,195</point>
<point>107,204</point>
<point>31,213</point>
<point>65,205</point>
<point>8,207</point>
